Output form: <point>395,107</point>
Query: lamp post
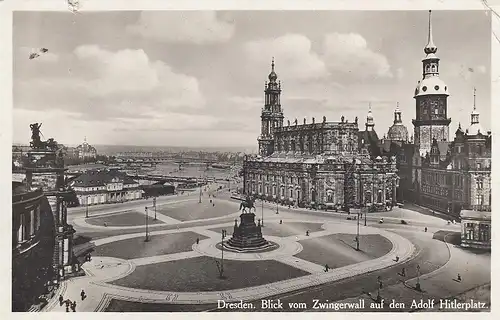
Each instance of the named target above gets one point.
<point>417,286</point>
<point>200,193</point>
<point>87,207</point>
<point>277,207</point>
<point>154,205</point>
<point>223,233</point>
<point>379,282</point>
<point>147,233</point>
<point>262,210</point>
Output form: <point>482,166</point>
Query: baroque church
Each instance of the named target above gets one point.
<point>318,164</point>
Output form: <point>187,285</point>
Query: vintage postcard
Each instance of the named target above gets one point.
<point>227,160</point>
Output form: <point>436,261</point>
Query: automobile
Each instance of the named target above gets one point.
<point>349,217</point>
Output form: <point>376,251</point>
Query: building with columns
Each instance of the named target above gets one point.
<point>442,174</point>
<point>318,164</point>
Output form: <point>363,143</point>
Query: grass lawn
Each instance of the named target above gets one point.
<point>158,245</point>
<point>201,274</point>
<point>338,250</point>
<point>125,219</point>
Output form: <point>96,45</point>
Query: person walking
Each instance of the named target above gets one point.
<point>403,272</point>
<point>61,300</point>
<point>327,267</point>
<point>83,295</point>
<point>73,306</point>
<point>425,229</point>
<point>197,240</point>
<point>459,278</point>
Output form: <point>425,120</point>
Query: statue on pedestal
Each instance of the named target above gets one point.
<point>35,135</point>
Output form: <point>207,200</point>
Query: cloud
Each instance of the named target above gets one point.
<point>400,73</point>
<point>246,103</point>
<point>293,54</point>
<point>103,84</point>
<point>196,27</point>
<point>349,54</point>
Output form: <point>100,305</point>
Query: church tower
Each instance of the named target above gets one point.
<point>431,96</point>
<point>272,114</point>
<point>369,119</point>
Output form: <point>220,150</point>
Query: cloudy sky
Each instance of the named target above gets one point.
<point>197,78</point>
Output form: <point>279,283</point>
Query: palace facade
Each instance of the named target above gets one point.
<point>319,164</point>
<point>436,172</point>
<point>105,186</point>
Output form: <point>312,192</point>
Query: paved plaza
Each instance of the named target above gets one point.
<point>177,269</point>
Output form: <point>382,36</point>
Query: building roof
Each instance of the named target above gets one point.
<point>370,138</point>
<point>101,178</point>
<point>476,215</point>
<point>398,131</point>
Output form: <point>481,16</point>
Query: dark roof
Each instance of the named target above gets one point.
<point>101,178</point>
<point>369,138</point>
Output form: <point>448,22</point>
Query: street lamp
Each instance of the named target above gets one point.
<point>379,281</point>
<point>262,208</point>
<point>87,208</point>
<point>417,286</point>
<point>200,193</point>
<point>154,205</point>
<point>277,207</point>
<point>147,233</point>
<point>221,271</point>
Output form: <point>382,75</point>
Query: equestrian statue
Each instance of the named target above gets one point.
<point>247,204</point>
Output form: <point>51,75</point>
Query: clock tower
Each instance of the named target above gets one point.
<point>431,97</point>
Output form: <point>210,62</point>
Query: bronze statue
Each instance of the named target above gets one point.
<point>313,120</point>
<point>356,120</point>
<point>247,204</point>
<point>35,135</point>
<point>324,118</point>
<point>342,119</point>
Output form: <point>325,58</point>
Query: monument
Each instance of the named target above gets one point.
<point>247,236</point>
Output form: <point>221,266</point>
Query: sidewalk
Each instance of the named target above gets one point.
<point>441,284</point>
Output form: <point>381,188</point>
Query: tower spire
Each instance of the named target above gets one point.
<point>272,65</point>
<point>474,98</point>
<point>430,48</point>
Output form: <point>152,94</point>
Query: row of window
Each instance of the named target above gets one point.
<point>483,232</point>
<point>29,224</point>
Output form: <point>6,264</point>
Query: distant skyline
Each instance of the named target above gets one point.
<point>195,79</point>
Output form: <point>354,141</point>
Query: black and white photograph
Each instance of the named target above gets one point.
<point>251,160</point>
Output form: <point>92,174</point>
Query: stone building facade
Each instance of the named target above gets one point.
<point>319,164</point>
<point>441,174</point>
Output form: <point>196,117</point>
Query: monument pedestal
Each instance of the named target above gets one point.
<point>247,237</point>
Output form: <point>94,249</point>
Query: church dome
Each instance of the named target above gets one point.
<point>273,76</point>
<point>431,86</point>
<point>398,131</point>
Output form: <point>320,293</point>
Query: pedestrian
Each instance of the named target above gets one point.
<point>397,258</point>
<point>459,278</point>
<point>281,221</point>
<point>61,300</point>
<point>197,240</point>
<point>210,200</point>
<point>67,308</point>
<point>425,229</point>
<point>327,267</point>
<point>307,233</point>
<point>83,295</point>
<point>67,303</point>
<point>73,306</point>
<point>403,272</point>
<point>213,204</point>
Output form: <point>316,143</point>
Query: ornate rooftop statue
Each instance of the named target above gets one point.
<point>35,135</point>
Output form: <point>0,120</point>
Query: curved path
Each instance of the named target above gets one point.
<point>408,242</point>
<point>102,270</point>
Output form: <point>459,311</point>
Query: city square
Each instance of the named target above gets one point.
<point>358,180</point>
<point>171,272</point>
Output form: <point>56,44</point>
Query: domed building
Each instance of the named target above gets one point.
<point>86,151</point>
<point>398,131</point>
